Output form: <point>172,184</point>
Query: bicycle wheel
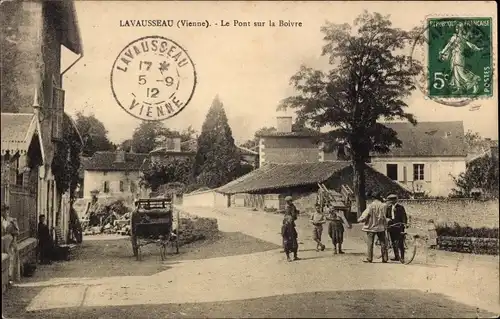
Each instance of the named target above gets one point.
<point>410,246</point>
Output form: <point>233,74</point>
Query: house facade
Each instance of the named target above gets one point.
<point>32,107</point>
<point>288,147</point>
<point>432,153</point>
<point>114,174</point>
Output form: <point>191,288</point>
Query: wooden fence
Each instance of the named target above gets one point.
<point>22,204</point>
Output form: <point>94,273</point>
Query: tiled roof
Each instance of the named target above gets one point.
<point>272,177</point>
<point>291,134</point>
<point>17,131</point>
<point>106,161</point>
<point>246,151</point>
<point>192,145</point>
<point>428,139</point>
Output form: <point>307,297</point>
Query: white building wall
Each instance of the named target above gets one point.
<point>95,180</point>
<point>438,172</point>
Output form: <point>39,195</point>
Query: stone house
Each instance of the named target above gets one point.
<point>432,153</point>
<point>287,147</point>
<point>114,174</point>
<point>34,125</point>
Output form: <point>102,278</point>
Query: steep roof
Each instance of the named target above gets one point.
<point>106,161</point>
<point>17,130</point>
<point>428,139</point>
<point>272,177</point>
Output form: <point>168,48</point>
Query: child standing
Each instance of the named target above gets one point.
<point>289,235</point>
<point>336,231</point>
<point>318,219</point>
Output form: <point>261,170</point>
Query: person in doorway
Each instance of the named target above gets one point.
<point>93,209</point>
<point>10,232</point>
<point>375,224</point>
<point>318,219</point>
<point>336,230</point>
<point>290,237</point>
<point>397,219</point>
<point>45,244</point>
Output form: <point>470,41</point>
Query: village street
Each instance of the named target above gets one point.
<point>263,284</point>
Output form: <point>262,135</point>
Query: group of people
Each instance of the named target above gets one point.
<point>336,226</point>
<point>379,216</point>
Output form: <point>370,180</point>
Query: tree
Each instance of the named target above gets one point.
<point>169,170</point>
<point>482,173</point>
<point>66,161</point>
<point>150,135</point>
<point>368,79</point>
<point>94,134</point>
<point>475,143</point>
<point>217,159</point>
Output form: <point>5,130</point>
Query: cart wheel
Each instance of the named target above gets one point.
<point>163,251</point>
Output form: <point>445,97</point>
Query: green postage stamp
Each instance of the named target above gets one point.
<point>460,62</point>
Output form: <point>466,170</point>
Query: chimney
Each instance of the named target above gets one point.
<point>120,156</point>
<point>173,144</point>
<point>284,124</point>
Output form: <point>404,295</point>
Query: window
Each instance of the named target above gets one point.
<point>132,187</point>
<point>106,187</point>
<point>105,173</point>
<point>122,186</point>
<point>58,113</point>
<point>418,172</point>
<point>392,171</point>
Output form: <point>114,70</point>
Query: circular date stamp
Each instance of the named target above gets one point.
<point>153,78</point>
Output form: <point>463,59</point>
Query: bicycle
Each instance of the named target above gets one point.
<point>410,244</point>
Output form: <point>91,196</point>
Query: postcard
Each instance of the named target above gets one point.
<point>255,159</point>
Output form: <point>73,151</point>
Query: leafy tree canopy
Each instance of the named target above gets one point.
<point>369,78</point>
<point>150,135</point>
<point>168,170</point>
<point>482,173</point>
<point>94,134</point>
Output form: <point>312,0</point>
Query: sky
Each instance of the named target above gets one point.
<point>248,67</point>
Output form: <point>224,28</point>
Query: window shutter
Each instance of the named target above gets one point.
<point>103,186</point>
<point>427,172</point>
<point>411,171</point>
<point>401,172</point>
<point>58,112</point>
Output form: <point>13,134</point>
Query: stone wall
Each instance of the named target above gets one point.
<point>466,212</point>
<point>193,228</point>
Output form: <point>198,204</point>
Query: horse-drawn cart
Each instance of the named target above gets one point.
<point>152,222</point>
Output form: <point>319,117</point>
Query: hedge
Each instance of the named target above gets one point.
<point>489,246</point>
<point>455,230</point>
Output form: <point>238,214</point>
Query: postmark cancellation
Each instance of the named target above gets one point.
<point>153,78</point>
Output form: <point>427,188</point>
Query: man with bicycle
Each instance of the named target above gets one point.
<point>397,219</point>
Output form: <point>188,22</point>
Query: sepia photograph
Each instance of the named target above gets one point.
<point>249,159</point>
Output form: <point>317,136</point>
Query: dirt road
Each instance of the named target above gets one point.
<point>243,276</point>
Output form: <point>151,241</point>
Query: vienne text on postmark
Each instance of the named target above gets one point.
<point>459,58</point>
<point>153,78</point>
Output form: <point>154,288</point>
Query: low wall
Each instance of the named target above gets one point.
<point>466,212</point>
<point>27,255</point>
<point>193,228</point>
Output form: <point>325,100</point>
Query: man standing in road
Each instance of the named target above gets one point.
<point>290,208</point>
<point>375,221</point>
<point>93,209</point>
<point>397,217</point>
